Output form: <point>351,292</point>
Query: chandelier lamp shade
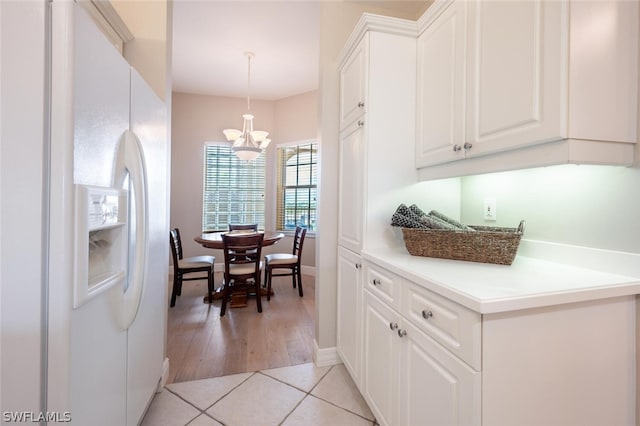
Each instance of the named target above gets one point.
<point>247,143</point>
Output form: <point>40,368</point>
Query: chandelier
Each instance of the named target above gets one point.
<point>247,143</point>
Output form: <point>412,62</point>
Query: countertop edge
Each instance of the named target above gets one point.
<point>388,259</point>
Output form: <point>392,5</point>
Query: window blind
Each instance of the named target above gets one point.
<point>297,187</point>
<point>233,189</point>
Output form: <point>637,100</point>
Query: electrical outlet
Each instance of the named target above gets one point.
<point>490,212</point>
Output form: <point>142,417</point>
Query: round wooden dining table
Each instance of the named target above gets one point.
<point>213,240</point>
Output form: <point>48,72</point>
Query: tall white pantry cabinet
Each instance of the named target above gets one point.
<point>377,132</point>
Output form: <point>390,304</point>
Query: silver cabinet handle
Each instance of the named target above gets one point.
<point>360,123</point>
<point>427,314</point>
<point>402,333</point>
<point>393,325</point>
<point>468,145</point>
<point>376,281</point>
<point>457,148</point>
<point>360,104</point>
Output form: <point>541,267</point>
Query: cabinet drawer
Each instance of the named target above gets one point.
<point>383,284</point>
<point>454,326</point>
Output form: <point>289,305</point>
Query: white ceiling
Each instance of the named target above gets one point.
<point>211,36</point>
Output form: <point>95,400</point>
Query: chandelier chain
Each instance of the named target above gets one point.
<point>249,55</point>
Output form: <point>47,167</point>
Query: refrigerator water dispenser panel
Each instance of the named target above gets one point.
<point>101,240</point>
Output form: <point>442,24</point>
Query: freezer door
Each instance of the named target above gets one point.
<point>146,335</point>
<point>98,344</point>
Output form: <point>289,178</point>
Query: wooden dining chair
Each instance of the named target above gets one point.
<point>288,261</point>
<point>244,227</point>
<point>241,272</point>
<point>189,265</point>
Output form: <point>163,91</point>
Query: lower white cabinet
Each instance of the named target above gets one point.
<point>349,311</point>
<point>410,379</point>
<point>427,360</point>
<point>380,355</point>
<point>436,388</point>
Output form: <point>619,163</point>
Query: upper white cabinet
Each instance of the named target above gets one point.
<point>353,84</point>
<point>440,105</point>
<point>516,74</point>
<point>511,85</point>
<point>377,135</point>
<point>603,73</point>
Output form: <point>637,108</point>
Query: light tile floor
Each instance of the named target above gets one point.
<point>297,395</point>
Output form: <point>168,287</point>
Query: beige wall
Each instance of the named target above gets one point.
<point>296,118</point>
<point>336,23</point>
<point>197,119</point>
<point>149,52</point>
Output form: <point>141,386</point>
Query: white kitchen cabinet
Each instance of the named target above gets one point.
<point>440,125</point>
<point>384,285</point>
<point>349,311</point>
<point>517,84</point>
<point>377,110</point>
<point>528,353</point>
<point>455,327</point>
<point>380,358</point>
<point>407,376</point>
<point>351,188</point>
<point>353,85</point>
<point>562,87</point>
<point>571,364</point>
<point>436,388</point>
<point>377,97</point>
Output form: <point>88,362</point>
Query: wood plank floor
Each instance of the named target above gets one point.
<point>202,345</point>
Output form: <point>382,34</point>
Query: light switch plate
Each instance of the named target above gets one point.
<point>490,211</point>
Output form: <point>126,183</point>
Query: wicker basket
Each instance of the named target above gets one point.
<point>487,245</point>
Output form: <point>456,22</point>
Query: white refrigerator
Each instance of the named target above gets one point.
<point>109,226</point>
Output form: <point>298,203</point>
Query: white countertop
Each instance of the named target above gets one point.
<point>488,288</point>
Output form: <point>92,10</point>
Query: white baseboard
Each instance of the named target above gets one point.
<point>325,356</point>
<point>165,375</point>
<point>308,270</point>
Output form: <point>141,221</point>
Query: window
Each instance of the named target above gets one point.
<point>233,189</point>
<point>297,186</point>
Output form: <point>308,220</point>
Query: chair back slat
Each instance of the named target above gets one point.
<point>176,245</point>
<point>242,249</point>
<point>298,240</point>
<point>243,227</point>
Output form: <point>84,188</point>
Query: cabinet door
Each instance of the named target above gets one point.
<point>517,75</point>
<point>380,358</point>
<point>441,79</point>
<point>353,84</point>
<point>436,388</point>
<point>351,188</point>
<point>349,310</point>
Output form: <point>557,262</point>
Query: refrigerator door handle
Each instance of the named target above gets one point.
<point>130,162</point>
